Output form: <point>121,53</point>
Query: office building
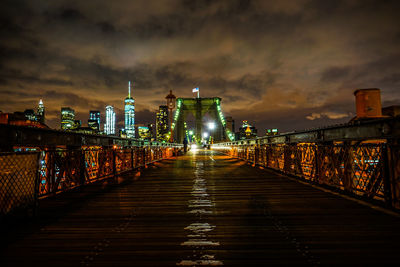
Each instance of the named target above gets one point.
<point>40,112</point>
<point>162,124</point>
<point>94,120</point>
<point>246,131</point>
<point>129,114</point>
<point>144,133</point>
<point>271,132</point>
<point>67,118</point>
<point>152,129</point>
<point>30,115</point>
<point>109,127</point>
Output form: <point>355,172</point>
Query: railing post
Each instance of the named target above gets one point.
<point>37,187</point>
<point>391,173</point>
<point>348,166</point>
<point>132,158</point>
<point>388,175</point>
<point>316,167</point>
<point>114,162</point>
<point>287,158</point>
<point>82,167</point>
<point>256,154</point>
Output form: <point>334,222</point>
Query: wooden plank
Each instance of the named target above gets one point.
<point>207,209</point>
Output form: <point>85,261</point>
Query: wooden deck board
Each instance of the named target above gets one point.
<point>205,208</point>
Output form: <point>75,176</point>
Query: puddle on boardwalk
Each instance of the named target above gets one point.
<point>198,231</point>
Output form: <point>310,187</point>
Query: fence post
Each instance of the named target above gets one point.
<point>388,174</point>
<point>132,158</point>
<point>37,187</point>
<point>82,167</point>
<point>114,162</point>
<point>287,159</point>
<point>348,167</point>
<point>256,154</point>
<point>316,167</point>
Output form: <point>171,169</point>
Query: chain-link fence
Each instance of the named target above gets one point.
<point>18,181</point>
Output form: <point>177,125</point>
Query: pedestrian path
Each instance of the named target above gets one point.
<point>205,209</point>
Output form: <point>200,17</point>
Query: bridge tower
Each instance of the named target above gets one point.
<point>199,107</point>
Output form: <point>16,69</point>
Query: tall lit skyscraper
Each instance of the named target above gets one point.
<point>109,127</point>
<point>40,112</point>
<point>94,120</point>
<point>162,123</point>
<point>67,118</point>
<point>129,114</point>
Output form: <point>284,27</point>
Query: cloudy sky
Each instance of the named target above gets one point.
<point>290,64</point>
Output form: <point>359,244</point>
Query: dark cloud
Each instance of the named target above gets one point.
<point>71,14</point>
<point>278,63</point>
<point>335,74</point>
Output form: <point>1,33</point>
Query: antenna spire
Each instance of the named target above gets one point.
<point>129,85</point>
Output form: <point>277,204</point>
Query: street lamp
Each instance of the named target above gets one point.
<point>171,105</point>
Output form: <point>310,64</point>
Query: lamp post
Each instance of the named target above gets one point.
<point>171,105</point>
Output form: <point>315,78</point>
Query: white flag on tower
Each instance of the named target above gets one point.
<point>195,89</point>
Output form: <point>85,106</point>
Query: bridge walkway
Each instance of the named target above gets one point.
<point>207,209</point>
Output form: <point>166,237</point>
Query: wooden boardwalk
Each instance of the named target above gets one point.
<point>204,209</point>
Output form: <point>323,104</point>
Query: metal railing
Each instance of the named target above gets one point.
<point>25,177</point>
<point>368,166</point>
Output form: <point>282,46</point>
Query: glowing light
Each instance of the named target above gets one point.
<point>193,147</point>
<point>211,125</point>
<point>205,135</point>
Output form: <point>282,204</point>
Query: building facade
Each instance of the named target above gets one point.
<point>246,131</point>
<point>144,133</point>
<point>67,118</point>
<point>129,114</point>
<point>40,112</point>
<point>30,115</point>
<point>162,126</point>
<point>94,120</point>
<point>109,127</point>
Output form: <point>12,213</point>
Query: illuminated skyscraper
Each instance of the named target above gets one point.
<point>129,114</point>
<point>144,133</point>
<point>162,123</point>
<point>109,127</point>
<point>94,120</point>
<point>67,118</point>
<point>30,115</point>
<point>247,131</point>
<point>40,112</point>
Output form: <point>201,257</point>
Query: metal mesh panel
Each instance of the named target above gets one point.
<point>105,162</point>
<point>123,160</point>
<point>18,180</point>
<point>367,171</point>
<point>60,170</point>
<point>275,156</point>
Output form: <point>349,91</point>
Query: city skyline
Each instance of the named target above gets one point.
<point>289,65</point>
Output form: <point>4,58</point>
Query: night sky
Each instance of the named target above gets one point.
<point>286,64</point>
